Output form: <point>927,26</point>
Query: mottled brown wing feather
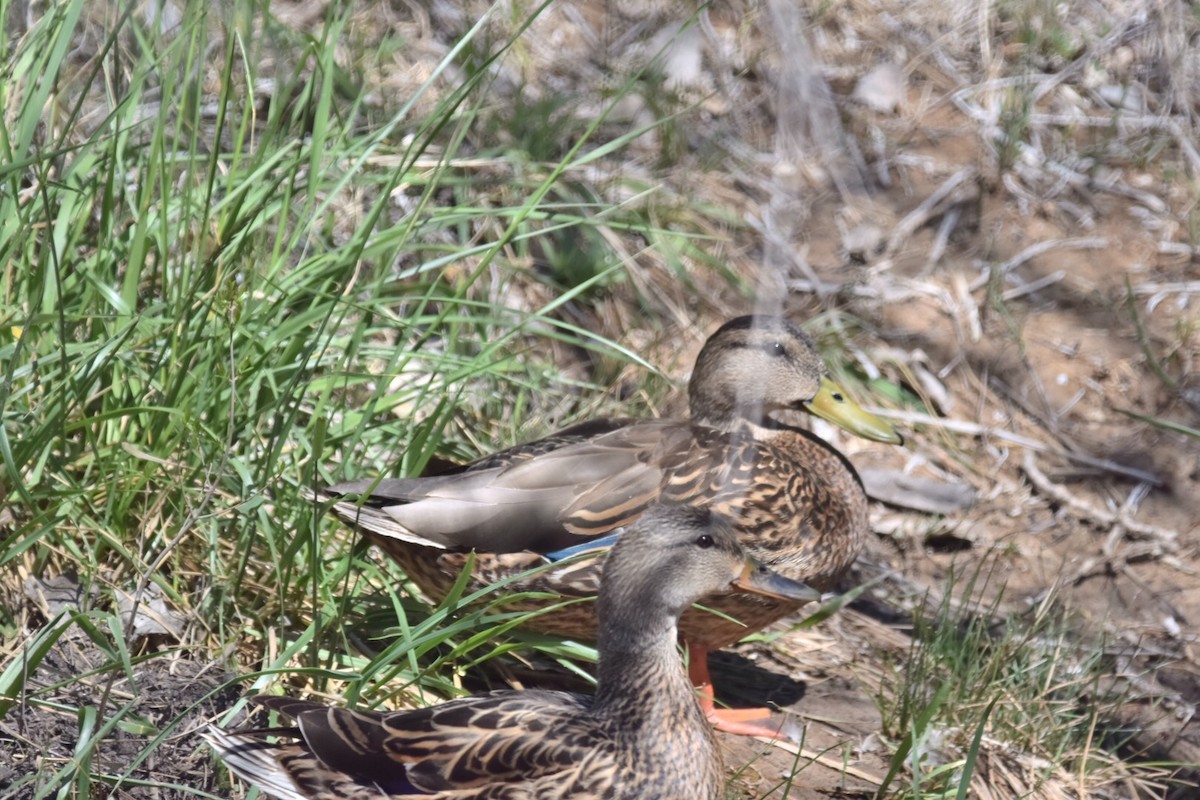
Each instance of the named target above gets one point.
<point>466,748</point>
<point>502,740</point>
<point>784,505</point>
<point>463,744</point>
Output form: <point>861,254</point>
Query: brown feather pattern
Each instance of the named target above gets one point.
<point>796,502</point>
<point>642,737</point>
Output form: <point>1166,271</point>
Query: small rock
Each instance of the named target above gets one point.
<point>151,616</point>
<point>60,593</point>
<point>882,89</point>
<point>1126,98</point>
<point>862,241</point>
<point>920,494</point>
<point>168,15</point>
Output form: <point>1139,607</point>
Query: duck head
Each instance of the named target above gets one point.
<point>756,366</point>
<point>674,555</point>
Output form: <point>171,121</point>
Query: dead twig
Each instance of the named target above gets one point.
<point>1120,521</point>
<point>913,220</point>
<point>976,429</point>
<point>1032,252</point>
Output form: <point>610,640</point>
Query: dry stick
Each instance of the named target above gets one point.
<point>925,211</point>
<point>1124,32</point>
<point>1163,536</point>
<point>1046,416</point>
<point>1031,163</point>
<point>815,756</point>
<point>1087,183</point>
<point>929,48</point>
<point>1173,125</point>
<point>1186,144</point>
<point>975,429</point>
<point>1030,288</point>
<point>1035,250</point>
<point>1183,287</point>
<point>1177,249</point>
<point>942,237</point>
<point>970,318</point>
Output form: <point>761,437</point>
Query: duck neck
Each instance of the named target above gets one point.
<point>749,426</point>
<point>639,664</point>
<point>720,413</point>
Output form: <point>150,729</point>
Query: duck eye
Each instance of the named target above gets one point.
<point>776,349</point>
<point>705,541</point>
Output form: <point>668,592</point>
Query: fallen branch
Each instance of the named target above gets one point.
<point>1120,521</point>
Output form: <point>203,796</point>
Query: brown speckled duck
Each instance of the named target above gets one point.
<point>797,503</point>
<point>641,737</point>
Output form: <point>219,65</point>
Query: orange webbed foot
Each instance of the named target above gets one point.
<point>739,721</point>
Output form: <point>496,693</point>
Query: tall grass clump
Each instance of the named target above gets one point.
<point>232,271</point>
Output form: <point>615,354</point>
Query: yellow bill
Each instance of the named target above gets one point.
<point>832,404</point>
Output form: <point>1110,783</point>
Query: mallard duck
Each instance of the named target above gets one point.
<point>797,503</point>
<point>641,737</point>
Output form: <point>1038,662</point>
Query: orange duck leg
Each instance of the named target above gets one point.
<point>740,721</point>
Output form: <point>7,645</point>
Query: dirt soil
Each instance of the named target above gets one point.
<point>177,695</point>
<point>1094,508</point>
<point>1109,532</point>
